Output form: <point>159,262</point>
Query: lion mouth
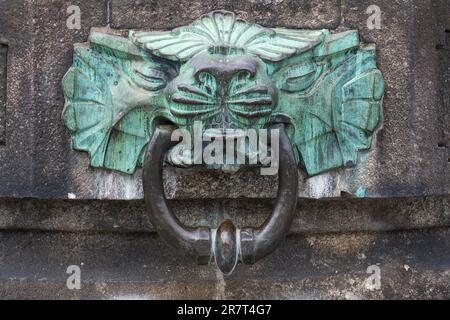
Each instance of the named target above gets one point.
<point>223,149</point>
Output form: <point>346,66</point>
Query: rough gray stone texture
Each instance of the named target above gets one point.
<point>413,264</point>
<point>15,156</point>
<point>163,14</point>
<point>3,70</point>
<point>312,217</point>
<point>34,156</point>
<point>410,154</point>
<point>412,148</point>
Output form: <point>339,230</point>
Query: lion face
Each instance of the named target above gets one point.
<point>224,90</point>
<point>226,73</point>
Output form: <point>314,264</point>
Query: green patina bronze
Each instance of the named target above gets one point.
<point>228,73</point>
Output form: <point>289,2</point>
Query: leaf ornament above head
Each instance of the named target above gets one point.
<point>222,29</point>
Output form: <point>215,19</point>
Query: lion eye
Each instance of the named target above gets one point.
<point>299,77</point>
<point>151,77</point>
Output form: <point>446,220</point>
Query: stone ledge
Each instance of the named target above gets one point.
<point>312,217</point>
<point>413,265</point>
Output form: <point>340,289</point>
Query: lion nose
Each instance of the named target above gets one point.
<point>223,68</point>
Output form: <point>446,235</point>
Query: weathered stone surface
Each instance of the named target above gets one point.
<point>409,158</point>
<point>15,156</point>
<point>3,74</point>
<point>411,155</point>
<point>162,15</point>
<point>52,54</point>
<point>34,157</point>
<point>312,216</point>
<point>413,264</point>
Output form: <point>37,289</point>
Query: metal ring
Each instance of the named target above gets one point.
<point>227,244</point>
